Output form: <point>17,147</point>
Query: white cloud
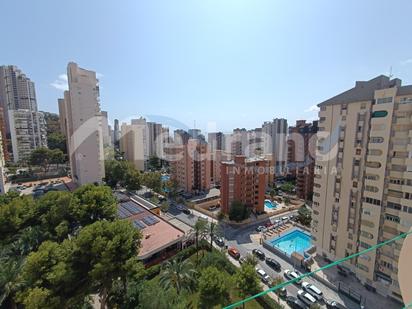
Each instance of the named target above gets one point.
<point>407,61</point>
<point>60,83</point>
<point>313,108</point>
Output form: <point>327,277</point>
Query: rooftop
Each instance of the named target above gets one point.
<point>158,234</point>
<point>365,90</point>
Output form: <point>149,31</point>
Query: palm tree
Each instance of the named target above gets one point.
<point>9,283</point>
<point>200,233</point>
<point>179,275</point>
<point>213,229</point>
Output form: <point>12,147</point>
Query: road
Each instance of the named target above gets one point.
<point>240,237</point>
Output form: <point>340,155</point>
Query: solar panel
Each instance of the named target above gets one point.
<point>122,213</point>
<point>150,220</point>
<point>139,224</point>
<point>132,207</point>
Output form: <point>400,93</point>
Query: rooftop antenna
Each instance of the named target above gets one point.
<point>390,72</point>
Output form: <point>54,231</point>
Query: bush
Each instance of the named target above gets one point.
<point>218,260</point>
<point>238,211</point>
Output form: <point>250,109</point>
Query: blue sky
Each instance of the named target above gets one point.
<point>223,64</point>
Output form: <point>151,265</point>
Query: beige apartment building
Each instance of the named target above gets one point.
<point>84,125</point>
<point>190,165</point>
<point>363,179</point>
<point>133,142</point>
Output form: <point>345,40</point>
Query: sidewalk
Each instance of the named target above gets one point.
<point>331,278</point>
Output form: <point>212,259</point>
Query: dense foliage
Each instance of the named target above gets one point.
<point>60,249</point>
<point>304,216</point>
<point>238,211</point>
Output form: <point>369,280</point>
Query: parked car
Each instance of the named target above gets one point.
<point>186,211</point>
<point>268,224</point>
<point>295,303</point>
<point>285,218</point>
<point>180,207</point>
<point>259,254</point>
<point>273,264</point>
<point>331,304</point>
<point>233,252</point>
<point>312,290</point>
<point>219,241</point>
<point>263,275</point>
<point>261,228</point>
<point>212,208</point>
<point>242,260</point>
<point>282,293</point>
<point>306,298</point>
<point>290,274</point>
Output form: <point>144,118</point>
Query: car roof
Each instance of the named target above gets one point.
<point>315,289</point>
<point>308,296</point>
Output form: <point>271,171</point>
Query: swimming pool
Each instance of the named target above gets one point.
<point>270,204</point>
<point>165,177</point>
<point>295,240</point>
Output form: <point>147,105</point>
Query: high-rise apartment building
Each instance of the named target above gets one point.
<point>274,135</point>
<point>190,165</point>
<point>301,156</point>
<point>133,142</point>
<point>84,126</point>
<point>24,126</point>
<point>116,132</point>
<point>216,141</point>
<point>244,180</point>
<point>363,179</point>
<point>107,141</point>
<point>62,116</point>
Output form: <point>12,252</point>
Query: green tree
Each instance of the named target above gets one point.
<point>153,180</point>
<point>246,280</point>
<point>218,260</point>
<point>287,200</point>
<point>56,140</point>
<point>238,211</point>
<point>91,203</point>
<point>9,282</point>
<point>133,179</point>
<point>41,157</point>
<point>213,287</point>
<point>102,250</point>
<point>122,173</point>
<point>163,299</point>
<point>304,216</point>
<point>179,275</point>
<point>57,157</point>
<point>287,187</point>
<point>154,163</point>
<point>251,259</point>
<point>200,231</point>
<point>213,229</point>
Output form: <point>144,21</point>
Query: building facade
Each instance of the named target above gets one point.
<point>84,126</point>
<point>24,126</point>
<point>301,156</point>
<point>274,135</point>
<point>244,180</point>
<point>133,143</point>
<point>190,165</point>
<point>363,179</point>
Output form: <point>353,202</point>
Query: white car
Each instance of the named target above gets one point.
<point>292,275</point>
<point>263,275</point>
<point>285,218</point>
<point>306,298</point>
<point>312,290</point>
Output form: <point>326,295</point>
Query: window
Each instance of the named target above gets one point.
<point>366,234</point>
<point>364,245</point>
<point>395,206</point>
<point>372,177</point>
<point>371,188</point>
<point>384,100</point>
<point>392,218</point>
<point>376,140</point>
<point>362,267</point>
<point>374,152</point>
<point>358,151</point>
<point>379,114</point>
<point>372,201</point>
<point>396,181</point>
<point>373,164</point>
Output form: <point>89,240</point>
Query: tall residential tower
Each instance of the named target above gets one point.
<point>363,179</point>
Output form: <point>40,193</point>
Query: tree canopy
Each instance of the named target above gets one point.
<point>238,211</point>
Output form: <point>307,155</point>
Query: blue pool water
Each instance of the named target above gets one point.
<point>293,241</point>
<point>165,177</point>
<point>270,204</point>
